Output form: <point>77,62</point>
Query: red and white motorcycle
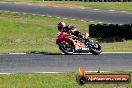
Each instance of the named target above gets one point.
<point>70,44</point>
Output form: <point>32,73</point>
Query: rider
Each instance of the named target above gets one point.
<point>71,30</point>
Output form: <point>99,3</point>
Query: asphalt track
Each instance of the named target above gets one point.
<point>32,63</point>
<point>83,14</point>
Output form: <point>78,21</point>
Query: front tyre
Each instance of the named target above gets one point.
<point>66,48</point>
<point>95,49</point>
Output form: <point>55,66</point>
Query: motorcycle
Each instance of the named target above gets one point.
<point>70,44</point>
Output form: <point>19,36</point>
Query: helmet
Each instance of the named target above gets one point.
<point>61,25</point>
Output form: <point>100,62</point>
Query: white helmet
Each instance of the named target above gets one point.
<point>61,25</point>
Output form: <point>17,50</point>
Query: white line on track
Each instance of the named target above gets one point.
<point>124,11</point>
<point>5,73</point>
<point>91,21</point>
<point>96,9</point>
<point>49,16</point>
<point>111,10</point>
<point>58,17</point>
<point>57,72</point>
<point>32,14</point>
<point>42,15</point>
<point>65,18</point>
<point>17,53</point>
<point>73,19</point>
<point>87,53</point>
<point>48,72</point>
<point>100,22</point>
<point>82,20</point>
<point>97,71</point>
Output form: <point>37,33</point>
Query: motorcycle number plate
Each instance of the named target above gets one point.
<point>85,49</point>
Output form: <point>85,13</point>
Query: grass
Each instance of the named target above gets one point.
<point>29,33</point>
<point>117,46</point>
<point>118,6</point>
<point>64,80</point>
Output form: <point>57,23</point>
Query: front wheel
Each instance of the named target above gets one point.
<point>66,47</point>
<point>95,49</point>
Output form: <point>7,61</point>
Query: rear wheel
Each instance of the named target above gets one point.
<point>66,47</point>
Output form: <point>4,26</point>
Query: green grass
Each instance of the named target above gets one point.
<point>28,33</point>
<point>117,46</point>
<point>118,6</point>
<point>65,80</point>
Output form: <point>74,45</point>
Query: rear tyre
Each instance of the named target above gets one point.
<point>66,48</point>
